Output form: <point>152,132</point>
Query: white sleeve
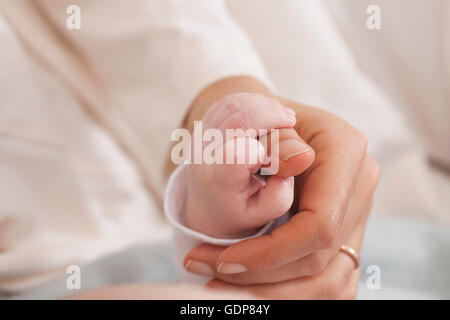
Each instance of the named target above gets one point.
<point>186,239</point>
<point>151,57</point>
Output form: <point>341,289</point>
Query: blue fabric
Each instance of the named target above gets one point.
<point>144,263</point>
<point>413,256</point>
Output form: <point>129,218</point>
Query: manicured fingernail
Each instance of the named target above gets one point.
<point>291,148</point>
<point>231,268</point>
<point>198,268</point>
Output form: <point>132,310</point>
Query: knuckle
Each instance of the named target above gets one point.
<point>272,265</point>
<point>316,263</point>
<point>328,233</point>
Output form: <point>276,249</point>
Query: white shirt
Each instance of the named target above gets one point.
<point>86,115</point>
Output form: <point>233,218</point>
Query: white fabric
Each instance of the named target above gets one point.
<point>86,115</point>
<point>86,122</point>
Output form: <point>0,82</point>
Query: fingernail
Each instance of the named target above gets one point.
<point>198,268</point>
<point>290,148</point>
<point>230,268</point>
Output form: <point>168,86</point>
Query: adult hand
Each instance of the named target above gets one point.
<point>301,258</point>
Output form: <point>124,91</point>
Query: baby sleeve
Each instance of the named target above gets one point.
<point>185,238</point>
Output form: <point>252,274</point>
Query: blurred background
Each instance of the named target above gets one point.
<point>86,115</point>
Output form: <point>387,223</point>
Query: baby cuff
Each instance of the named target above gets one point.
<point>174,204</point>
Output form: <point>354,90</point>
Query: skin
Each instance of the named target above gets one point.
<point>141,291</point>
<point>301,258</point>
<point>226,201</point>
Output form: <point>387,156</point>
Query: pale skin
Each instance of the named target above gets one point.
<point>300,259</point>
<point>227,200</point>
<point>142,291</point>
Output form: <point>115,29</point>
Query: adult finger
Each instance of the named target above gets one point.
<point>294,154</point>
<point>327,285</point>
<point>337,280</point>
<point>323,201</point>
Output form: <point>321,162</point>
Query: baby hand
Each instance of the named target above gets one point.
<point>231,200</point>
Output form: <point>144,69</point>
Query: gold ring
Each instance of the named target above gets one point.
<point>352,254</point>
